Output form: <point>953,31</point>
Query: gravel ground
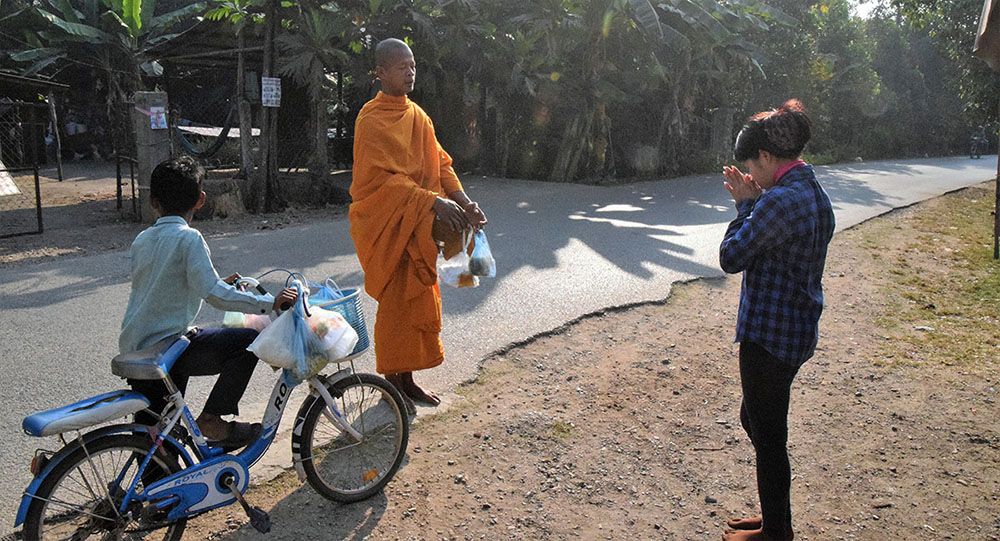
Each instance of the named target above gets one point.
<point>625,425</point>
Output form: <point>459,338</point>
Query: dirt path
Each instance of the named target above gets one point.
<point>80,216</point>
<point>625,424</point>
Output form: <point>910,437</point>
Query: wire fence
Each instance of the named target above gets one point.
<point>22,135</point>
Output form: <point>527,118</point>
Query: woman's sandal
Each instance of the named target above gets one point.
<point>238,435</point>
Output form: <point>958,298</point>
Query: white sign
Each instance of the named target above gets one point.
<point>157,118</point>
<point>270,91</point>
<point>7,184</point>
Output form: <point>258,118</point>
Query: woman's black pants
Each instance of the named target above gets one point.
<point>767,384</point>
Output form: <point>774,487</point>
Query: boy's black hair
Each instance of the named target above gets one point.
<point>176,185</point>
<point>783,132</point>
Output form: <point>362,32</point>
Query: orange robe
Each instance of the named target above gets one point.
<point>399,170</point>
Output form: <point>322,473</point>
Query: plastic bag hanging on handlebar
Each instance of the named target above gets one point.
<point>287,343</point>
<point>305,344</point>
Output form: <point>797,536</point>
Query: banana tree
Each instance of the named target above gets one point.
<point>115,36</point>
<point>240,13</point>
<point>699,41</point>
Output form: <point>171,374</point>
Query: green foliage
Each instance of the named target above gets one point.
<point>113,36</point>
<point>592,90</point>
<point>952,25</point>
<point>239,13</point>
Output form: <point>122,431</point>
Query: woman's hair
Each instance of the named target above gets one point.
<point>783,132</point>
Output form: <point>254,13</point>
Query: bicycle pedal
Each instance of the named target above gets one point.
<point>259,519</point>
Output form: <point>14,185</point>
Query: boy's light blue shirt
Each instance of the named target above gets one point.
<point>172,273</point>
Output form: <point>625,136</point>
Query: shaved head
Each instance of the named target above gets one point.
<point>388,49</point>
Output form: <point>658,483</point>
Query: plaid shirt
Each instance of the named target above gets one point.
<point>779,242</point>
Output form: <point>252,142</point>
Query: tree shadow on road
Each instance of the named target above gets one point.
<point>640,229</point>
<point>844,188</point>
<point>597,232</point>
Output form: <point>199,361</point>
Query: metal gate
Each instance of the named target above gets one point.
<point>22,136</point>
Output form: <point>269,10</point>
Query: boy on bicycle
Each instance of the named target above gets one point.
<point>172,273</point>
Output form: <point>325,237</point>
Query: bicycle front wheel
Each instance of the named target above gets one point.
<point>80,498</point>
<point>336,464</point>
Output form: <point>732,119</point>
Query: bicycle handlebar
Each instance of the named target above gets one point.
<point>243,282</point>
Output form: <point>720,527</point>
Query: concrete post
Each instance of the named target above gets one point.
<point>152,144</point>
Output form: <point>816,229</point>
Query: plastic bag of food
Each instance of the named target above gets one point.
<point>287,343</point>
<point>455,272</point>
<point>335,334</point>
<point>481,263</point>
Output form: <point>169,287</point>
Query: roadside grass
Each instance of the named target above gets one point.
<point>943,285</point>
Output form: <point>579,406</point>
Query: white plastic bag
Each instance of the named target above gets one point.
<point>454,272</point>
<point>283,344</point>
<point>305,344</point>
<point>334,332</point>
<point>239,320</point>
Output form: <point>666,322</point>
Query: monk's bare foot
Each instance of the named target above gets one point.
<point>424,397</point>
<point>754,535</point>
<point>416,393</point>
<point>404,382</point>
<point>748,523</point>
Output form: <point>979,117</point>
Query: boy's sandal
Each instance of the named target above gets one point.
<point>239,435</point>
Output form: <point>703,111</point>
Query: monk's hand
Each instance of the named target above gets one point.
<point>740,185</point>
<point>231,279</point>
<point>451,213</point>
<point>475,215</point>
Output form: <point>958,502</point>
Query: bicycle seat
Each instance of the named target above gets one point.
<point>153,362</point>
<point>92,411</point>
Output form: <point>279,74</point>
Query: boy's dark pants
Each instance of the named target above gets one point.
<point>767,384</point>
<point>212,351</point>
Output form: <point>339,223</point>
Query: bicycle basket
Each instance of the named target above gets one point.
<point>349,306</point>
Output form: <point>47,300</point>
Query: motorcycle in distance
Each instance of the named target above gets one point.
<point>977,143</point>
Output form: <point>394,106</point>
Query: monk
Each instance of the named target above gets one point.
<point>403,184</point>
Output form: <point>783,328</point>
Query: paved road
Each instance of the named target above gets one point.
<point>562,250</point>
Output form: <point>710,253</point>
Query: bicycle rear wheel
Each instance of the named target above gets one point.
<point>336,465</point>
<point>80,497</point>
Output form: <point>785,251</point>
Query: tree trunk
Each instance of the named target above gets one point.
<point>271,196</point>
<point>319,162</point>
<point>488,148</point>
<point>246,127</point>
<point>670,132</point>
<point>576,141</point>
<point>567,147</point>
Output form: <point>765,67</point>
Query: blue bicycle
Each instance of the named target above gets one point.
<point>131,481</point>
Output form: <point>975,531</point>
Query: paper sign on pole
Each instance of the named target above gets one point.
<point>157,118</point>
<point>270,91</point>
